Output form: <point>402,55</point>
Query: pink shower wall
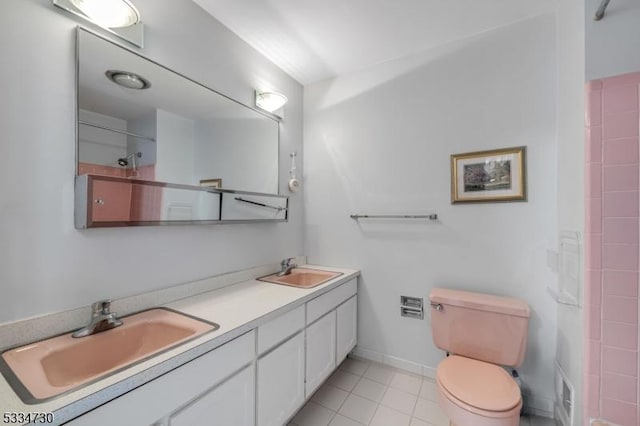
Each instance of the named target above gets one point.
<point>128,202</point>
<point>611,250</point>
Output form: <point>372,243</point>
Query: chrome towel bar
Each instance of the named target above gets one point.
<point>394,216</point>
<point>111,129</point>
<point>255,203</point>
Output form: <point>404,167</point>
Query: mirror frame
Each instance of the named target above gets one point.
<point>83,182</point>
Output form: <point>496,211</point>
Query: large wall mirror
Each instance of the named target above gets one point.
<point>141,122</point>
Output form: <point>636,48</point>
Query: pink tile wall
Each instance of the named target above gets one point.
<point>612,176</point>
<point>146,201</point>
<point>143,203</point>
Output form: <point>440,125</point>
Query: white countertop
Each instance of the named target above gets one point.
<point>237,308</point>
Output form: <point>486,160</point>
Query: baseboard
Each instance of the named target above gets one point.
<point>392,361</point>
<point>536,405</point>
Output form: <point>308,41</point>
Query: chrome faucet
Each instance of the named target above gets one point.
<point>286,266</point>
<point>102,319</point>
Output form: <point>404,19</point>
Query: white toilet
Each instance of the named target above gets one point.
<point>481,333</point>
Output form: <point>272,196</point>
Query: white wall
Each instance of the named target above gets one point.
<point>612,43</point>
<point>46,265</point>
<point>379,141</point>
<point>145,125</point>
<point>98,146</point>
<point>175,148</point>
<point>245,159</point>
<point>570,136</point>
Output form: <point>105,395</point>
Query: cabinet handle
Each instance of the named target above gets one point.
<point>99,201</point>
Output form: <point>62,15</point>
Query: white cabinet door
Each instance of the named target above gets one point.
<point>230,403</point>
<point>321,351</point>
<point>281,382</point>
<point>347,319</point>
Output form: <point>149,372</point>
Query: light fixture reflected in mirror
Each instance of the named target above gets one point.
<point>119,17</point>
<point>128,79</point>
<point>270,101</point>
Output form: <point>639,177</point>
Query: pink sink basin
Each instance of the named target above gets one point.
<point>48,368</point>
<point>302,277</point>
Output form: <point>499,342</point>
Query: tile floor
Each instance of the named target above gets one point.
<point>361,392</point>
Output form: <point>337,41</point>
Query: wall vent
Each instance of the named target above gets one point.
<point>564,398</point>
<point>567,398</point>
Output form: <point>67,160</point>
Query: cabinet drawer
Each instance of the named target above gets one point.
<point>277,330</point>
<point>163,395</point>
<point>323,304</point>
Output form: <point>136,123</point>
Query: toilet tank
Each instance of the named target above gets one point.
<point>480,326</point>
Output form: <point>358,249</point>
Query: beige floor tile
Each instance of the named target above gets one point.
<point>430,412</point>
<point>358,409</point>
<point>429,390</point>
<point>340,420</point>
<point>400,404</point>
<point>343,380</point>
<point>369,389</point>
<point>406,382</point>
<point>313,414</point>
<point>354,366</point>
<point>386,416</point>
<point>399,400</point>
<point>330,396</point>
<point>379,373</point>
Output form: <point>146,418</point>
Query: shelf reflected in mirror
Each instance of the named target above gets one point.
<point>107,201</point>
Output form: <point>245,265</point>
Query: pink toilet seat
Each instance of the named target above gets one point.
<point>476,392</point>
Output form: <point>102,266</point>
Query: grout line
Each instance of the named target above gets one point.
<point>618,322</point>
<point>387,386</point>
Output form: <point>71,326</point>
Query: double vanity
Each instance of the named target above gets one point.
<point>248,353</point>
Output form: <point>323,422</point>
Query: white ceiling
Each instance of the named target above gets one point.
<point>315,39</point>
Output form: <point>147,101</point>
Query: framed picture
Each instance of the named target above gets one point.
<point>211,183</point>
<point>489,176</point>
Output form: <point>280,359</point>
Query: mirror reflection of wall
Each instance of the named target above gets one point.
<point>174,130</point>
<point>112,153</point>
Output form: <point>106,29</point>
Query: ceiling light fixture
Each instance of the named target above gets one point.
<point>270,101</point>
<point>109,13</point>
<point>128,79</point>
<point>119,17</point>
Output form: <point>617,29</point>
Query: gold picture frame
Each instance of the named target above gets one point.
<point>211,183</point>
<point>489,176</point>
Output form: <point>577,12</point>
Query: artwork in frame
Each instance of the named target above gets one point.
<point>211,183</point>
<point>489,176</point>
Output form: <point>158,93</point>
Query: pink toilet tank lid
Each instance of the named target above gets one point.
<point>480,301</point>
<point>479,384</point>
